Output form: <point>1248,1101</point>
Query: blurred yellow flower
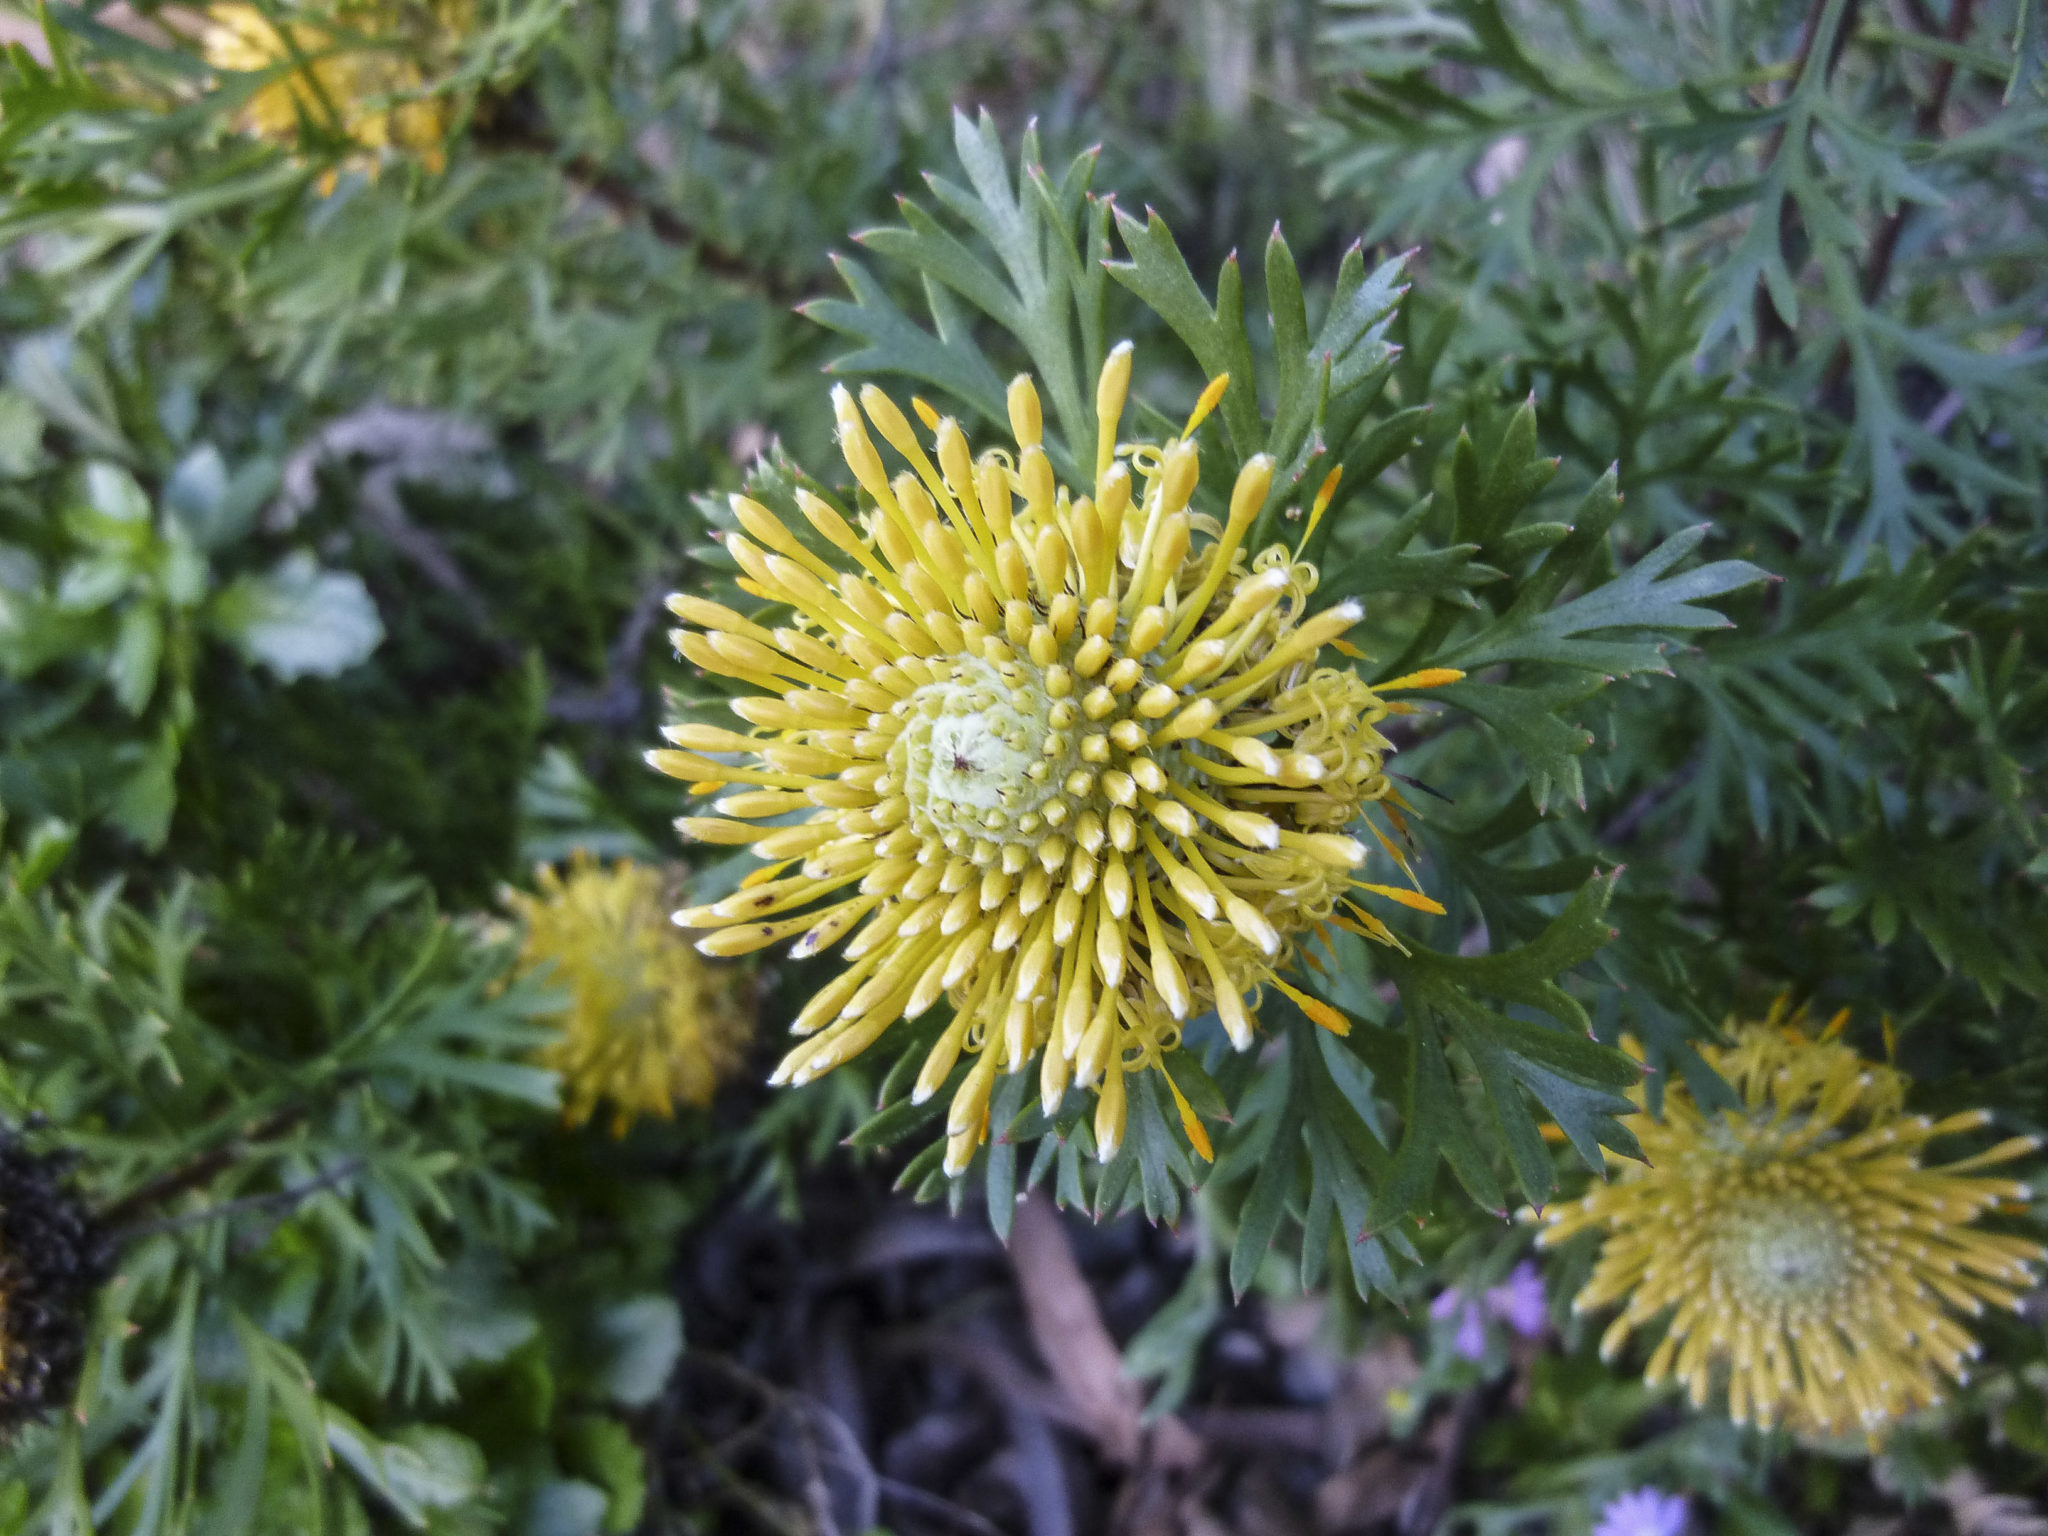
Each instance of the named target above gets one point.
<point>358,72</point>
<point>1066,758</point>
<point>1803,1251</point>
<point>649,1024</point>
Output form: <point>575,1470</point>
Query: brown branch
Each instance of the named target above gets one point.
<point>1637,811</point>
<point>591,177</point>
<point>201,1170</point>
<point>1883,249</point>
<point>1770,325</point>
<point>276,1199</point>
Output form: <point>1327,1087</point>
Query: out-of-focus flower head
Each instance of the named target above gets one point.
<point>1518,1301</point>
<point>649,1024</point>
<point>1067,757</point>
<point>1799,1245</point>
<point>360,71</point>
<point>1645,1512</point>
<point>53,1256</point>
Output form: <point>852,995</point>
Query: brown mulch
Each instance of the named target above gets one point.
<point>887,1365</point>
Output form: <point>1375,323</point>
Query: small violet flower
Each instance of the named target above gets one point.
<point>1470,1340</point>
<point>1645,1512</point>
<point>1517,1301</point>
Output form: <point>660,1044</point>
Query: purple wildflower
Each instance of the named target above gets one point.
<point>1519,1301</point>
<point>1470,1339</point>
<point>1645,1512</point>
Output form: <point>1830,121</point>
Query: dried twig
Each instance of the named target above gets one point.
<point>1424,1507</point>
<point>771,1512</point>
<point>1068,1329</point>
<point>834,1477</point>
<point>401,446</point>
<point>913,1497</point>
<point>201,1170</point>
<point>277,1199</point>
<point>398,447</point>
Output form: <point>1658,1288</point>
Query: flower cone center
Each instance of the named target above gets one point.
<point>980,753</point>
<point>998,754</point>
<point>1784,1249</point>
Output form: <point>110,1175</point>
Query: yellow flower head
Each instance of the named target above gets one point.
<point>1065,758</point>
<point>360,72</point>
<point>649,1024</point>
<point>1804,1251</point>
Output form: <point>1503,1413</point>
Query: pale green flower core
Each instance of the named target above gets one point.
<point>1788,1248</point>
<point>980,759</point>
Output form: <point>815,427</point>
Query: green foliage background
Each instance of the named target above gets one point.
<point>333,529</point>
